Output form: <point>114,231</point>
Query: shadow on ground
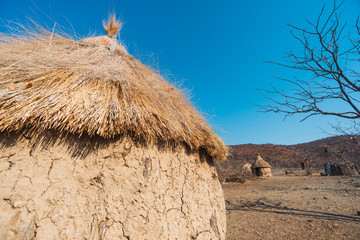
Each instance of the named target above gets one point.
<point>262,205</point>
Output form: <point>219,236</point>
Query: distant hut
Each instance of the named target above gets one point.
<point>340,168</point>
<point>95,145</point>
<point>261,167</point>
<point>246,169</point>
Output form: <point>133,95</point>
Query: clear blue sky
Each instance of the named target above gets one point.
<point>216,49</point>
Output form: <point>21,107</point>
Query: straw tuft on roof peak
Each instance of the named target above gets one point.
<point>112,26</point>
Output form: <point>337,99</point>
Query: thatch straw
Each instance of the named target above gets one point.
<point>93,87</point>
<point>260,163</point>
<point>112,26</point>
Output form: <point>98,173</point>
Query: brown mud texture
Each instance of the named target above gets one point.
<point>121,190</point>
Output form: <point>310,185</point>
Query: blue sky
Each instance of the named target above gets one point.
<point>216,49</point>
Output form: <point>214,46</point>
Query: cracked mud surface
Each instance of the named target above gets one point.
<point>285,207</point>
<point>123,191</point>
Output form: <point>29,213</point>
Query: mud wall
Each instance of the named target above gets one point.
<point>76,189</point>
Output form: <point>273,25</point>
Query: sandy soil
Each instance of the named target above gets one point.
<point>294,207</point>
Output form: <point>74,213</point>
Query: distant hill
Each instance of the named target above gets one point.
<point>292,155</point>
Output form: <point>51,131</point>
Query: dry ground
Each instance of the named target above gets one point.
<point>294,207</point>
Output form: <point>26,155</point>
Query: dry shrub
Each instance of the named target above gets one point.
<point>227,175</point>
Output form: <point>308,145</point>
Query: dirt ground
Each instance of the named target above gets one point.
<point>294,207</point>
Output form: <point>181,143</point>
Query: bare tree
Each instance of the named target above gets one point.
<point>340,154</point>
<point>352,131</point>
<point>307,165</point>
<point>331,56</point>
<point>349,128</point>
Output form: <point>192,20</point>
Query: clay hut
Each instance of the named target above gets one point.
<point>340,168</point>
<point>96,145</point>
<point>246,169</point>
<point>261,168</point>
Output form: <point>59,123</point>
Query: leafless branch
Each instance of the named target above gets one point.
<point>326,58</point>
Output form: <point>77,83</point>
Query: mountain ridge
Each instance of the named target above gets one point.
<point>291,156</point>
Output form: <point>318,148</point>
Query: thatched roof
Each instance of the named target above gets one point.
<point>260,163</point>
<point>94,87</point>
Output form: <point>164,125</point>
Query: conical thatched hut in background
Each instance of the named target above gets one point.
<point>95,145</point>
<point>246,169</point>
<point>261,168</point>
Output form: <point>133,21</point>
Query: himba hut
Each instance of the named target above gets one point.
<point>261,168</point>
<point>96,145</point>
<point>340,168</point>
<point>246,169</point>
